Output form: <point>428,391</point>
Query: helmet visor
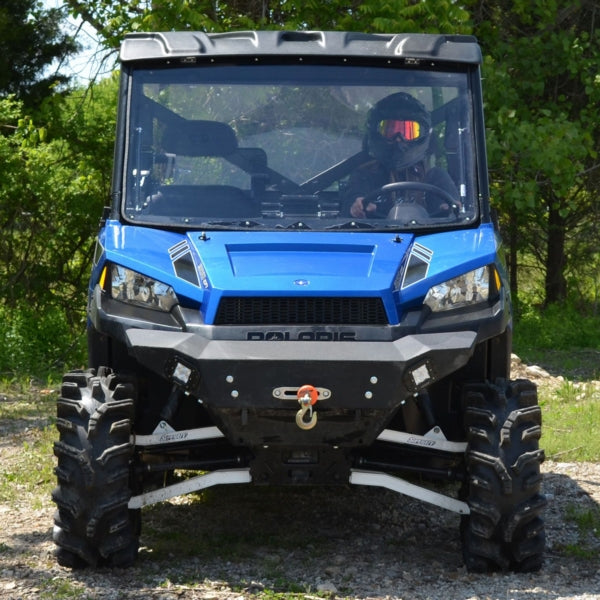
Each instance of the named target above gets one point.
<point>408,129</point>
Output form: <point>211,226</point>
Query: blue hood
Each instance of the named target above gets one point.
<point>203,267</point>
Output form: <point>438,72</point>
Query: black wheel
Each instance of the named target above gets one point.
<point>504,530</point>
<point>93,525</point>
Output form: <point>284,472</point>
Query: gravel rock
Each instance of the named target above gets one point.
<point>240,542</point>
<point>327,542</point>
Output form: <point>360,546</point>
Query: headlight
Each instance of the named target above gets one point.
<point>134,288</point>
<point>465,290</point>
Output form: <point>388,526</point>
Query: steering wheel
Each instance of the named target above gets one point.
<point>418,186</point>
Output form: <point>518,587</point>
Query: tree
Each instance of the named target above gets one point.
<point>542,96</point>
<point>112,18</point>
<point>56,180</point>
<point>541,93</point>
<point>31,39</point>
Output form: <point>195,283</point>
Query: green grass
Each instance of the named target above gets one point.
<point>24,401</point>
<point>585,519</point>
<point>566,343</point>
<point>28,473</point>
<point>27,420</point>
<point>62,589</point>
<point>588,524</point>
<point>571,422</point>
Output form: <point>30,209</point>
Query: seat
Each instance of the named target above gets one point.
<point>208,139</point>
<point>199,138</point>
<point>202,201</point>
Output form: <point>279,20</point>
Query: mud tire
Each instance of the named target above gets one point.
<point>93,525</point>
<point>504,530</point>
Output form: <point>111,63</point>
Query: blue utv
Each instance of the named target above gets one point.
<point>299,281</point>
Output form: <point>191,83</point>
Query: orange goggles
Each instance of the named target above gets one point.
<point>408,130</point>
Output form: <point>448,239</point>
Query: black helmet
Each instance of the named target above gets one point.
<point>398,129</point>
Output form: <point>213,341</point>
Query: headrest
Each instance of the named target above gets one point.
<point>200,138</point>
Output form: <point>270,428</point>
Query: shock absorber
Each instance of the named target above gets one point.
<point>423,402</point>
<point>172,403</point>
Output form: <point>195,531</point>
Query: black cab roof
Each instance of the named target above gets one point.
<point>192,45</point>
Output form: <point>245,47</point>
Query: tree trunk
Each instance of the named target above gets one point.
<point>556,283</point>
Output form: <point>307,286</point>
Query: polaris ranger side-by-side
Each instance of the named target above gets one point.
<point>299,282</point>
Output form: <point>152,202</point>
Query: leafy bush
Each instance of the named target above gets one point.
<point>37,344</point>
<point>557,327</point>
<point>55,181</point>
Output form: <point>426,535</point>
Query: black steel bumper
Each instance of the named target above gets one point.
<point>250,388</point>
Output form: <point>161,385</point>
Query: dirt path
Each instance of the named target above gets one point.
<point>355,543</point>
<point>251,542</point>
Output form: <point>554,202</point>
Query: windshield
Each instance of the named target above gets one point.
<point>316,147</point>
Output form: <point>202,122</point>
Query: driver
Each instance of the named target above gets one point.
<point>398,135</point>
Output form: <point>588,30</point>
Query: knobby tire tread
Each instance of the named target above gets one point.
<point>93,524</point>
<point>504,530</point>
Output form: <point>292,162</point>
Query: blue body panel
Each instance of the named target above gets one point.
<point>256,263</point>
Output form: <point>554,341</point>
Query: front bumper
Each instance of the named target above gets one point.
<point>249,388</point>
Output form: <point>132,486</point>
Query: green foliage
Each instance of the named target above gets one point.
<point>112,19</point>
<point>55,183</point>
<point>565,341</point>
<point>31,39</point>
<point>38,345</point>
<point>557,327</point>
<point>47,213</point>
<point>585,519</point>
<point>443,16</point>
<point>542,91</point>
<point>542,96</point>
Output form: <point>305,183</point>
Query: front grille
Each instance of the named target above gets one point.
<point>301,311</point>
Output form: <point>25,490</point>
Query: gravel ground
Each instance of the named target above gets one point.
<point>243,542</point>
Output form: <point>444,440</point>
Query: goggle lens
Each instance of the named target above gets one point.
<point>408,130</point>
